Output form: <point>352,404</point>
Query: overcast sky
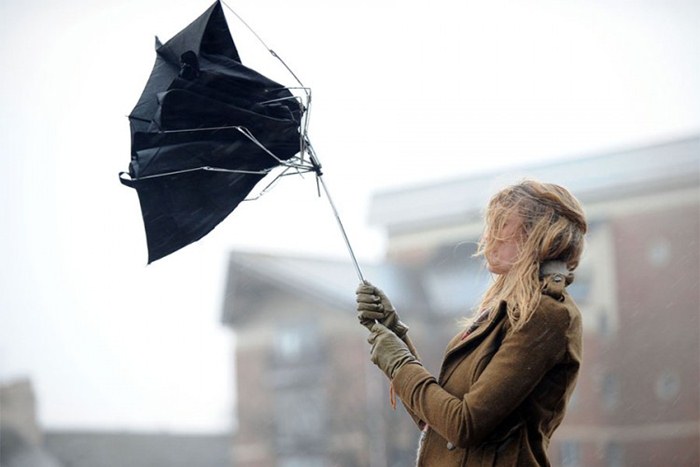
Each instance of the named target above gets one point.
<point>405,92</point>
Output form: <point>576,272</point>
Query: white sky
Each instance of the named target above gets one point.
<point>405,92</point>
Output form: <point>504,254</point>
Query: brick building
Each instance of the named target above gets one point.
<point>307,395</point>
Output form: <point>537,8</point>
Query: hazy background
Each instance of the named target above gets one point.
<point>405,92</point>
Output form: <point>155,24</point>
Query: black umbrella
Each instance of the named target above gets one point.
<point>205,131</point>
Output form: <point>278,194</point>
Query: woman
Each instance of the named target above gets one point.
<point>506,378</point>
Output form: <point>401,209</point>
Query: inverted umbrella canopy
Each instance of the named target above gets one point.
<point>204,132</point>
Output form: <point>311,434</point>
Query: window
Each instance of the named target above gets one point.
<point>659,253</point>
<point>610,389</point>
<point>574,401</point>
<point>570,454</point>
<point>297,343</point>
<point>614,455</point>
<point>668,385</point>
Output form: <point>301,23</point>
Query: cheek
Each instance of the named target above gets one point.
<point>509,253</point>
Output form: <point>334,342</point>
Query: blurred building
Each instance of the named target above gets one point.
<point>21,437</point>
<point>307,395</point>
<point>23,442</point>
<point>95,448</point>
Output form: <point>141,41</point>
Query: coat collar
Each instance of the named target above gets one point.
<point>472,339</point>
<point>556,268</point>
<point>480,331</point>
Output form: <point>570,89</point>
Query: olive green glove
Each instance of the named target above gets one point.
<point>373,305</point>
<point>388,351</point>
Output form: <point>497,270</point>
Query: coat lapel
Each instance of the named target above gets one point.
<point>483,330</point>
<point>471,340</point>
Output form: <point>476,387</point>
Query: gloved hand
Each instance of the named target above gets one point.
<point>388,351</point>
<point>373,305</point>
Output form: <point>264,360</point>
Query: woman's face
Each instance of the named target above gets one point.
<point>502,249</point>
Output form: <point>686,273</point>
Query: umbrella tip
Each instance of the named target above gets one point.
<point>159,44</point>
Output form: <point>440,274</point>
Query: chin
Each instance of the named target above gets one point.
<point>497,269</point>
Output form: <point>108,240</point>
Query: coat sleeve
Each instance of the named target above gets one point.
<point>524,357</point>
<point>416,419</point>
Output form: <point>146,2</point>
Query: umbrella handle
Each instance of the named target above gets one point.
<point>342,229</point>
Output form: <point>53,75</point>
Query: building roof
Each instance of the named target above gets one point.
<point>329,281</point>
<point>591,178</point>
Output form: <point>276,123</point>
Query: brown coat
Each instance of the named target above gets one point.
<point>501,393</point>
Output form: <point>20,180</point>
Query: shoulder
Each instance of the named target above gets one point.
<point>555,308</point>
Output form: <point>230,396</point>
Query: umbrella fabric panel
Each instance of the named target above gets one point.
<point>182,209</point>
<point>209,33</point>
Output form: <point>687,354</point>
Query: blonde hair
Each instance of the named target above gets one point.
<point>552,227</point>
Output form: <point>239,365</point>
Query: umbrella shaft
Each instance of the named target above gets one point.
<point>342,230</point>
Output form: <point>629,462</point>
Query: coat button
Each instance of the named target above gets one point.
<point>450,446</point>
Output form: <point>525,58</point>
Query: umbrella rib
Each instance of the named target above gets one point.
<point>272,52</point>
<point>206,167</point>
<point>269,186</point>
<point>245,132</point>
<point>301,167</point>
<point>296,98</point>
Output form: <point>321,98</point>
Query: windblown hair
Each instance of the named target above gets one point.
<point>552,228</point>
